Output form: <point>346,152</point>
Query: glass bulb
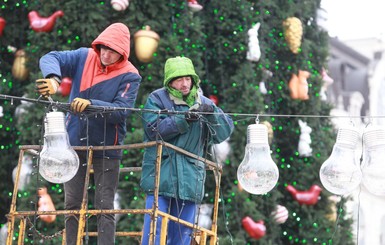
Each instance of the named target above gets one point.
<point>373,169</point>
<point>58,161</point>
<point>340,174</point>
<point>257,173</point>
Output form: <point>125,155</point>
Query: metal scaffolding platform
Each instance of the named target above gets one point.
<point>19,218</point>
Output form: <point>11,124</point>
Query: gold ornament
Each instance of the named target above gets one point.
<point>19,69</point>
<point>292,27</point>
<point>334,200</point>
<point>146,43</point>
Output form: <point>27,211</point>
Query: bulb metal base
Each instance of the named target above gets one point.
<point>55,122</point>
<point>374,136</point>
<point>348,137</point>
<point>257,134</point>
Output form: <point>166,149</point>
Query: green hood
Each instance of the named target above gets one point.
<point>181,67</point>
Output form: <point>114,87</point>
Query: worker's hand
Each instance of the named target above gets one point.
<point>191,117</point>
<point>206,108</point>
<point>79,104</point>
<point>47,86</point>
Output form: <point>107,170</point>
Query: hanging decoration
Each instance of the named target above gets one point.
<point>194,6</point>
<point>120,5</point>
<point>254,52</point>
<point>58,161</point>
<point>3,233</point>
<point>221,151</point>
<point>146,43</point>
<point>255,230</point>
<point>205,212</point>
<point>304,148</point>
<point>65,86</point>
<point>43,24</point>
<point>1,111</point>
<point>45,204</point>
<point>280,214</point>
<point>19,68</point>
<point>25,172</point>
<point>327,81</point>
<point>214,99</point>
<point>373,170</point>
<point>333,206</point>
<point>2,25</point>
<point>203,219</point>
<point>341,173</point>
<point>11,49</point>
<point>292,27</point>
<point>298,85</point>
<point>257,173</point>
<point>308,197</point>
<point>22,108</point>
<point>266,74</point>
<point>262,87</point>
<point>117,205</point>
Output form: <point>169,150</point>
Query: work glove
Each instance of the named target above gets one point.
<point>79,105</point>
<point>206,108</point>
<point>47,86</point>
<point>193,114</point>
<point>191,117</point>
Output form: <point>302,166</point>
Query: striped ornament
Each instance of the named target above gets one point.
<point>119,5</point>
<point>280,214</point>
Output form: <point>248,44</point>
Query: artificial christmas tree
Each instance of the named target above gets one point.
<point>216,39</point>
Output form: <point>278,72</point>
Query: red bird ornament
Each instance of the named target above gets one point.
<point>255,230</point>
<point>2,25</point>
<point>309,197</point>
<point>43,24</point>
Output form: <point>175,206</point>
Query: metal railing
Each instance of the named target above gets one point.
<point>201,232</point>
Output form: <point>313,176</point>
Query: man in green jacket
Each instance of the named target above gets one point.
<point>182,178</point>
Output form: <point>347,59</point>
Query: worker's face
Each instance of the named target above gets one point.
<point>108,56</point>
<point>182,84</point>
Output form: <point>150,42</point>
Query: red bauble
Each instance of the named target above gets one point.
<point>255,230</point>
<point>43,24</point>
<point>214,98</point>
<point>2,25</point>
<point>65,86</point>
<point>309,197</point>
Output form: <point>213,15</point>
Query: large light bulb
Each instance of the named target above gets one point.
<point>373,169</point>
<point>58,161</point>
<point>257,173</point>
<point>340,173</point>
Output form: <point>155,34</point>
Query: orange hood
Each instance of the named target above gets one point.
<point>116,37</point>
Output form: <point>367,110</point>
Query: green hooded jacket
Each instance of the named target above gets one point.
<point>181,176</point>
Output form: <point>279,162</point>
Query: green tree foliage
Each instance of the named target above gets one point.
<point>216,39</point>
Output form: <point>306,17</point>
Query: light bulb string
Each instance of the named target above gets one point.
<point>93,109</point>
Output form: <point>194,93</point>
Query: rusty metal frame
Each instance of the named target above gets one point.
<point>83,212</point>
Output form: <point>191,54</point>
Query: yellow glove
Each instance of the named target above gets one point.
<point>47,86</point>
<point>79,104</point>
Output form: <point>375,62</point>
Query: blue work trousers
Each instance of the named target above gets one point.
<point>177,233</point>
